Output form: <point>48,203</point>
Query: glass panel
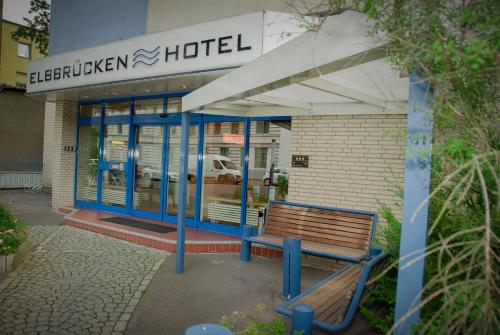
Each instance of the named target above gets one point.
<point>115,143</point>
<point>115,153</point>
<point>149,106</point>
<point>173,169</point>
<point>268,144</point>
<point>221,202</point>
<point>148,168</point>
<point>117,108</point>
<point>174,105</point>
<point>88,157</point>
<point>114,185</point>
<point>90,110</point>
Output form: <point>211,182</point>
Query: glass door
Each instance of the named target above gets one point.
<point>148,169</point>
<point>222,176</point>
<point>173,149</point>
<point>113,165</point>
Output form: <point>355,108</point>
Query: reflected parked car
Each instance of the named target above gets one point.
<point>155,174</point>
<point>222,169</point>
<point>278,171</point>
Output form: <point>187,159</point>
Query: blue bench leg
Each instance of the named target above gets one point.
<point>291,268</point>
<point>246,246</point>
<point>302,319</point>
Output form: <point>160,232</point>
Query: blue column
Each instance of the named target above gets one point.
<point>291,267</point>
<point>416,190</point>
<point>181,202</point>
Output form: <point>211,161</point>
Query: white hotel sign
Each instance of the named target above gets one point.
<point>214,45</point>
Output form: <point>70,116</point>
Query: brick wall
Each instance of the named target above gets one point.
<point>48,143</point>
<point>63,162</point>
<point>353,160</point>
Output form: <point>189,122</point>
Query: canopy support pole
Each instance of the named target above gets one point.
<point>181,202</point>
<point>416,190</point>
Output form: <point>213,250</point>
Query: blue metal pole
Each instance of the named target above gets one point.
<point>302,319</point>
<point>246,246</point>
<point>130,165</point>
<point>181,202</point>
<point>416,190</point>
<point>291,267</point>
<point>244,175</point>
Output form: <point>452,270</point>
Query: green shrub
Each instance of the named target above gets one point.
<point>247,324</point>
<point>380,306</point>
<point>12,231</point>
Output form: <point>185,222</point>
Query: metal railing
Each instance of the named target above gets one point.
<point>18,170</point>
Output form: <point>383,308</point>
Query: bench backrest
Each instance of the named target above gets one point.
<point>334,226</point>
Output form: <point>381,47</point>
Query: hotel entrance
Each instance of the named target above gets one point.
<point>156,171</point>
<point>128,162</point>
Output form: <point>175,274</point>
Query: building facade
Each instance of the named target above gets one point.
<point>117,78</point>
<point>21,117</point>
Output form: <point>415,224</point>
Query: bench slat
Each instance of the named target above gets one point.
<point>314,220</point>
<point>330,301</point>
<point>319,237</point>
<point>314,246</point>
<point>332,308</point>
<point>321,228</point>
<point>316,239</point>
<point>321,213</point>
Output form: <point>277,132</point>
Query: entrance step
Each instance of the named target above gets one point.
<point>197,241</point>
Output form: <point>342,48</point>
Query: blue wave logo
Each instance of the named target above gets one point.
<point>146,57</point>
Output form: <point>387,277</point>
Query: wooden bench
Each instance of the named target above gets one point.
<point>335,300</point>
<point>328,232</point>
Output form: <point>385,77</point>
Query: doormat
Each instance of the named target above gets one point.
<point>140,224</point>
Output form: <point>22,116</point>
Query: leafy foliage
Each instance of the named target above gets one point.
<point>282,186</point>
<point>12,232</point>
<point>247,324</point>
<point>454,46</point>
<point>37,29</point>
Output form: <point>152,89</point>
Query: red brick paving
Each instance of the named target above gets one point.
<point>197,241</point>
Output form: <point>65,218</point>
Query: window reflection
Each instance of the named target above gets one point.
<point>148,168</point>
<point>114,178</point>
<point>88,157</point>
<point>173,170</point>
<point>90,110</point>
<point>222,173</point>
<point>117,108</point>
<point>269,150</point>
<point>148,106</point>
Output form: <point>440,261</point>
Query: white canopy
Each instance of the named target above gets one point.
<point>338,70</point>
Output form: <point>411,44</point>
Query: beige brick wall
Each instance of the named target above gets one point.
<point>63,162</point>
<point>48,143</point>
<point>353,160</point>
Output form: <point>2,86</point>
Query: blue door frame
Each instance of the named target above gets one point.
<point>134,120</point>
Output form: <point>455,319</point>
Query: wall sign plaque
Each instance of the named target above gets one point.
<point>300,161</point>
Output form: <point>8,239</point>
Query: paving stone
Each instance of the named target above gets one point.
<point>76,282</point>
<point>120,326</point>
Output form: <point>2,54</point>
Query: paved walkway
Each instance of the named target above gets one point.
<point>76,282</point>
<point>32,208</point>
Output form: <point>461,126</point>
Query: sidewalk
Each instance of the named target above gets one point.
<point>32,208</point>
<point>214,285</point>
